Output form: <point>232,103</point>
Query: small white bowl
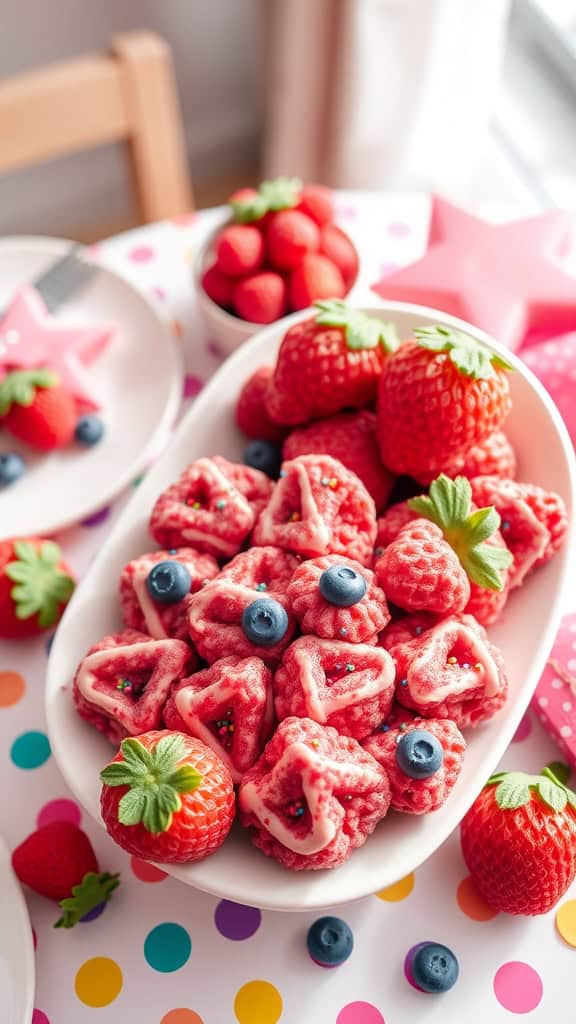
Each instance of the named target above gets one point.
<point>401,842</point>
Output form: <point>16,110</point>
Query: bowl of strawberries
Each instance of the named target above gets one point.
<point>277,250</point>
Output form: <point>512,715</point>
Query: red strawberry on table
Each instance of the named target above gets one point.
<point>251,414</point>
<point>260,298</point>
<point>36,409</point>
<point>251,206</point>
<point>35,586</point>
<point>316,277</point>
<point>290,235</point>
<point>167,797</point>
<point>317,202</point>
<point>519,841</point>
<point>58,862</point>
<point>239,250</point>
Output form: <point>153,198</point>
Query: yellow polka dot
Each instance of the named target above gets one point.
<point>98,982</point>
<point>12,688</point>
<point>258,1002</point>
<point>177,329</point>
<point>399,891</point>
<point>566,922</point>
<point>472,903</point>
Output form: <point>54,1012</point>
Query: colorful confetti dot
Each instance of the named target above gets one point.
<point>59,810</point>
<point>12,688</point>
<point>518,987</point>
<point>30,750</point>
<point>98,982</point>
<point>472,903</point>
<point>167,947</point>
<point>236,921</point>
<point>524,729</point>
<point>141,254</point>
<point>158,292</point>
<point>181,1016</point>
<point>192,385</point>
<point>399,891</point>
<point>97,517</point>
<point>39,1017</point>
<point>258,1002</point>
<point>94,913</point>
<point>566,922</point>
<point>359,1013</point>
<point>146,872</point>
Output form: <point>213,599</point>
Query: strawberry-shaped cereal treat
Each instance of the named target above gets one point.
<point>35,408</point>
<point>35,586</point>
<point>493,457</point>
<point>212,507</point>
<point>328,363</point>
<point>313,796</point>
<point>317,508</point>
<point>422,759</point>
<point>155,590</point>
<point>336,598</point>
<point>229,707</point>
<point>251,414</point>
<point>123,682</point>
<point>347,686</point>
<point>167,797</point>
<point>440,394</point>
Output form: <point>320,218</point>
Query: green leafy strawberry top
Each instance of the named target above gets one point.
<point>361,331</point>
<point>448,505</point>
<point>515,789</point>
<point>155,780</point>
<point>42,587</point>
<point>18,387</point>
<point>91,893</point>
<point>280,194</point>
<point>469,356</point>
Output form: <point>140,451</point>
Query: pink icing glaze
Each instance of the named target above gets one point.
<point>463,680</point>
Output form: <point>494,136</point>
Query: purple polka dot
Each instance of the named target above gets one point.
<point>346,211</point>
<point>94,913</point>
<point>214,349</point>
<point>387,267</point>
<point>59,810</point>
<point>192,385</point>
<point>236,921</point>
<point>97,517</point>
<point>158,293</point>
<point>141,254</point>
<point>39,1017</point>
<point>399,229</point>
<point>408,964</point>
<point>524,729</point>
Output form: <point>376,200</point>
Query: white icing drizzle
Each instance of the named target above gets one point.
<point>153,621</point>
<point>317,530</point>
<point>457,682</point>
<point>109,701</point>
<point>351,689</point>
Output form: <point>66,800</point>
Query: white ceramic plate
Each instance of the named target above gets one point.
<point>525,635</point>
<point>16,948</point>
<point>138,379</point>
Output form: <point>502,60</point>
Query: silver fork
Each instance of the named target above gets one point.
<point>68,275</point>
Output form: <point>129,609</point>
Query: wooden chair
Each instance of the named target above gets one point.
<point>128,95</point>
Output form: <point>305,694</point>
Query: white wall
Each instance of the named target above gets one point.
<point>216,49</point>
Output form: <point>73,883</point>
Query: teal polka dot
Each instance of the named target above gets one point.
<point>30,750</point>
<point>167,947</point>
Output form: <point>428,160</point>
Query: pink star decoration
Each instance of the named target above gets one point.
<point>30,337</point>
<point>499,277</point>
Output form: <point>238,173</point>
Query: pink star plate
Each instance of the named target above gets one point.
<point>137,379</point>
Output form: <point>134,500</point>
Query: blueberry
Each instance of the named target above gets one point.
<point>12,468</point>
<point>342,585</point>
<point>330,941</point>
<point>89,431</point>
<point>434,967</point>
<point>419,754</point>
<point>168,582</point>
<point>265,456</point>
<point>264,622</point>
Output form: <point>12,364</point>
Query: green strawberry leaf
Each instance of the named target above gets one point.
<point>185,779</point>
<point>168,751</point>
<point>282,193</point>
<point>94,889</point>
<point>552,794</point>
<point>245,211</point>
<point>132,805</point>
<point>559,770</point>
<point>514,789</point>
<point>470,357</point>
<point>41,586</point>
<point>19,387</point>
<point>362,331</point>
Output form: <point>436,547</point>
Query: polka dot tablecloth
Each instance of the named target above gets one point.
<point>161,953</point>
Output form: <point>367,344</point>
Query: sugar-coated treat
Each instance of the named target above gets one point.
<point>433,967</point>
<point>330,941</point>
<point>12,467</point>
<point>229,706</point>
<point>251,414</point>
<point>215,615</point>
<point>213,506</point>
<point>390,524</point>
<point>357,622</point>
<point>525,534</point>
<point>403,749</point>
<point>123,682</point>
<point>494,456</point>
<point>265,456</point>
<point>451,671</point>
<point>318,507</point>
<point>550,509</point>
<point>139,608</point>
<point>347,686</point>
<point>420,571</point>
<point>312,797</point>
<point>406,629</point>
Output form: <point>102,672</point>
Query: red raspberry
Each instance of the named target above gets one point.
<point>316,278</point>
<point>239,250</point>
<point>359,623</point>
<point>289,236</point>
<point>335,244</point>
<point>261,298</point>
<point>390,524</point>
<point>251,414</point>
<point>317,202</point>
<point>218,286</point>
<point>419,571</point>
<point>493,457</point>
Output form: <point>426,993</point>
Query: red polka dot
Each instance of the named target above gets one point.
<point>141,254</point>
<point>518,987</point>
<point>146,872</point>
<point>59,810</point>
<point>39,1017</point>
<point>472,903</point>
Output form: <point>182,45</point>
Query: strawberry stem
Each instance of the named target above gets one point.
<point>93,891</point>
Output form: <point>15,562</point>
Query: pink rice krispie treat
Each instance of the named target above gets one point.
<point>405,629</point>
<point>213,507</point>
<point>312,797</point>
<point>216,614</point>
<point>229,706</point>
<point>451,671</point>
<point>422,758</point>
<point>336,598</point>
<point>123,682</point>
<point>347,686</point>
<point>317,508</point>
<point>139,609</point>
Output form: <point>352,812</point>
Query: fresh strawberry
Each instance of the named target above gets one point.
<point>519,841</point>
<point>336,245</point>
<point>431,562</point>
<point>57,861</point>
<point>440,394</point>
<point>254,207</point>
<point>317,202</point>
<point>328,363</point>
<point>239,250</point>
<point>351,438</point>
<point>493,457</point>
<point>35,409</point>
<point>35,587</point>
<point>251,414</point>
<point>290,235</point>
<point>316,278</point>
<point>261,298</point>
<point>218,286</point>
<point>167,797</point>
